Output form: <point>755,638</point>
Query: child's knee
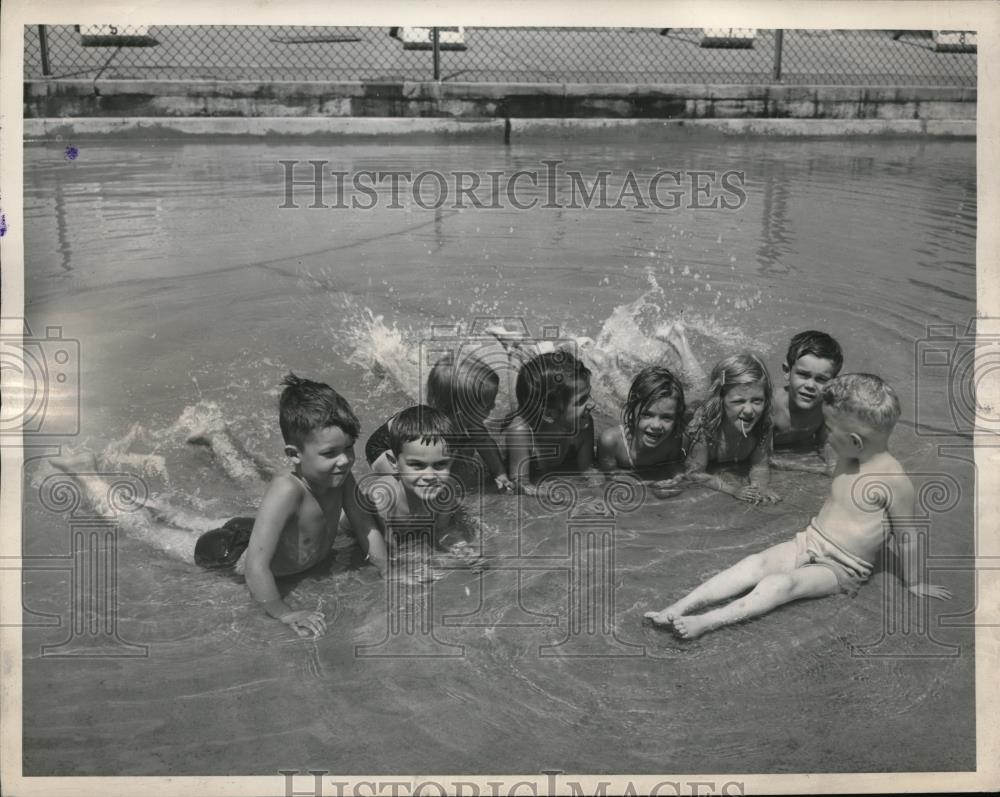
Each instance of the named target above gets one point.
<point>780,584</point>
<point>757,565</point>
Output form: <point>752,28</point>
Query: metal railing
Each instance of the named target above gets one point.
<point>505,55</point>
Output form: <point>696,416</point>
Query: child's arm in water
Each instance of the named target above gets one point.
<point>585,447</point>
<point>462,537</point>
<point>825,452</point>
<point>697,467</point>
<point>760,474</point>
<point>518,440</point>
<point>493,460</point>
<point>365,526</point>
<point>899,508</point>
<point>278,508</point>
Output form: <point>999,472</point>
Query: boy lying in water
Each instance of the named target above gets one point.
<point>298,517</point>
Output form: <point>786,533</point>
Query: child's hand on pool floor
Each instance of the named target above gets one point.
<point>667,488</point>
<point>422,574</point>
<point>305,622</point>
<point>526,488</point>
<point>504,484</point>
<point>753,494</point>
<point>467,554</point>
<point>931,591</point>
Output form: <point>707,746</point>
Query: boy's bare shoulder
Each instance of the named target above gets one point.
<point>779,407</point>
<point>384,493</point>
<point>284,487</point>
<point>611,438</point>
<point>882,481</point>
<point>885,464</point>
<point>517,427</point>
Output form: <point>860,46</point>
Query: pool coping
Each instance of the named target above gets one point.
<point>500,130</point>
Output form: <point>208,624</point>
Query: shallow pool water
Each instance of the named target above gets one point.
<point>186,285</point>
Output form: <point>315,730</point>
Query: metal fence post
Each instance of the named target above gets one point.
<point>436,45</point>
<point>43,47</point>
<point>779,40</point>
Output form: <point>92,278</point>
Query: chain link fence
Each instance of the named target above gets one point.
<point>506,55</point>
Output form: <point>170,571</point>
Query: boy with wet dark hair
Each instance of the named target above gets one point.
<point>299,515</point>
<point>813,359</point>
<point>421,496</point>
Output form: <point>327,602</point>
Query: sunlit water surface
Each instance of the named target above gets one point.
<point>185,284</point>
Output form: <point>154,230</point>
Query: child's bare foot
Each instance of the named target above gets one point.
<point>202,422</point>
<point>670,614</point>
<point>83,462</point>
<point>665,617</point>
<point>691,627</point>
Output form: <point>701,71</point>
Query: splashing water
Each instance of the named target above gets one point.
<point>381,350</point>
<point>646,331</point>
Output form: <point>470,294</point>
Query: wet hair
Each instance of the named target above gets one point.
<point>463,390</point>
<point>866,397</point>
<point>546,383</point>
<point>818,344</point>
<point>652,384</point>
<point>423,423</point>
<point>733,371</point>
<point>306,406</point>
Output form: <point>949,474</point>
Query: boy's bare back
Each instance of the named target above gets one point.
<point>862,495</point>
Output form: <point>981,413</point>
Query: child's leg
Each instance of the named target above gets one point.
<point>739,578</point>
<point>182,518</point>
<point>675,336</point>
<point>139,523</point>
<point>772,591</point>
<point>206,427</point>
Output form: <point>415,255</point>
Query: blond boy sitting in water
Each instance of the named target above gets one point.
<point>834,552</point>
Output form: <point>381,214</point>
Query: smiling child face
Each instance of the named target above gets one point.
<point>326,457</point>
<point>424,467</point>
<point>806,379</point>
<point>656,422</point>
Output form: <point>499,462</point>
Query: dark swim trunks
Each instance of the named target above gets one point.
<point>224,546</point>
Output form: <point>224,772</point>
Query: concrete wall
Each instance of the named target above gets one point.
<point>55,99</point>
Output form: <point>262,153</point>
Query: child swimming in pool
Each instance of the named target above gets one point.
<point>833,553</point>
<point>733,426</point>
<point>466,393</point>
<point>421,496</point>
<point>552,430</point>
<point>649,440</point>
<point>813,359</point>
<point>298,517</point>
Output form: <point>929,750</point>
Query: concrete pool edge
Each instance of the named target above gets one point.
<point>394,97</point>
<point>64,129</point>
